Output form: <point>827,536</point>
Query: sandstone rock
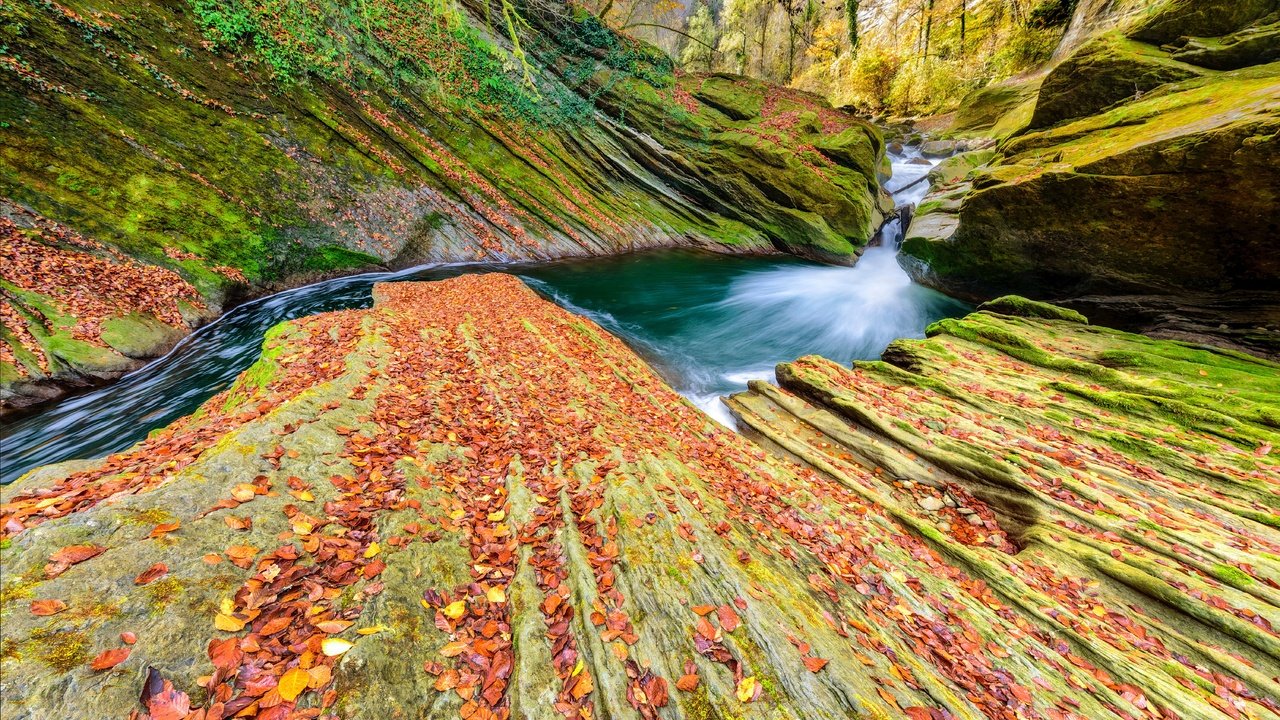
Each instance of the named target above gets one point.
<point>938,148</point>
<point>498,507</point>
<point>1107,70</point>
<point>1116,203</point>
<point>1092,473</point>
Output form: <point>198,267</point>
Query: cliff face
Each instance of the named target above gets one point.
<point>1143,165</point>
<point>242,145</point>
<point>469,502</point>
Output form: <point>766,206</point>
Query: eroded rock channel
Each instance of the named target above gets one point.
<point>439,507</point>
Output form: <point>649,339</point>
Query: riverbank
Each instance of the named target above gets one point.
<point>449,506</point>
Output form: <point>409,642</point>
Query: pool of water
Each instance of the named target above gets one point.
<point>707,322</point>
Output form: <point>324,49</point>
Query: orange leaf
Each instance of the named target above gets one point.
<point>729,620</point>
<point>164,529</point>
<point>814,664</point>
<point>47,607</point>
<point>110,658</point>
<point>454,649</point>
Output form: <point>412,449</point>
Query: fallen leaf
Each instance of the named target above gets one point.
<point>746,689</point>
<point>455,610</point>
<point>44,608</point>
<point>293,683</point>
<point>164,529</point>
<point>814,664</point>
<point>151,574</point>
<point>454,648</point>
<point>228,623</point>
<point>335,646</point>
<point>110,658</point>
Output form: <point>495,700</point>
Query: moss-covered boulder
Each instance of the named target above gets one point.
<point>1105,71</point>
<point>1175,192</point>
<point>468,502</point>
<point>1253,45</point>
<point>1169,20</point>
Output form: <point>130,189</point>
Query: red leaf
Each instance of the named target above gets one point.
<point>110,658</point>
<point>151,574</point>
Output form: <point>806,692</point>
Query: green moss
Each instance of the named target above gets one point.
<point>1231,576</point>
<point>60,650</point>
<point>16,588</point>
<point>146,516</point>
<point>1022,307</point>
<point>162,592</point>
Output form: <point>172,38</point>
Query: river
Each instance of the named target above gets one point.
<point>707,322</point>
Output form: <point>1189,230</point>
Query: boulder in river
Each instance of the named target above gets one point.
<point>467,501</point>
<point>1140,166</point>
<point>1175,192</point>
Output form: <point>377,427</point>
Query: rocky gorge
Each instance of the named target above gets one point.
<point>472,490</point>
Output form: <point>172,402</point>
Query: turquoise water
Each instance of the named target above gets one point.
<point>707,322</point>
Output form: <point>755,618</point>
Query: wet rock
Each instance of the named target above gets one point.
<point>939,148</point>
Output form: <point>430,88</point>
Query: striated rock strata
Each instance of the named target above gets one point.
<point>242,146</point>
<point>446,507</point>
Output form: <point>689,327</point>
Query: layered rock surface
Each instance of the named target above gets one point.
<point>1144,168</point>
<point>244,145</point>
<point>445,507</point>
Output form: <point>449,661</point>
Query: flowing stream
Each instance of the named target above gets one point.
<point>707,322</point>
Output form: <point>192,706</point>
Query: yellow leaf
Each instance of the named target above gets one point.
<point>455,610</point>
<point>454,648</point>
<point>372,550</point>
<point>496,595</point>
<point>304,495</point>
<point>293,683</point>
<point>334,646</point>
<point>371,630</point>
<point>577,668</point>
<point>457,514</point>
<point>228,623</point>
<point>497,516</point>
<point>747,689</point>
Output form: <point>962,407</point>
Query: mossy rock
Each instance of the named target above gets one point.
<point>1252,46</point>
<point>139,336</point>
<point>1105,71</point>
<point>1114,203</point>
<point>731,95</point>
<point>1022,307</point>
<point>1169,20</point>
<point>990,110</point>
<point>957,167</point>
